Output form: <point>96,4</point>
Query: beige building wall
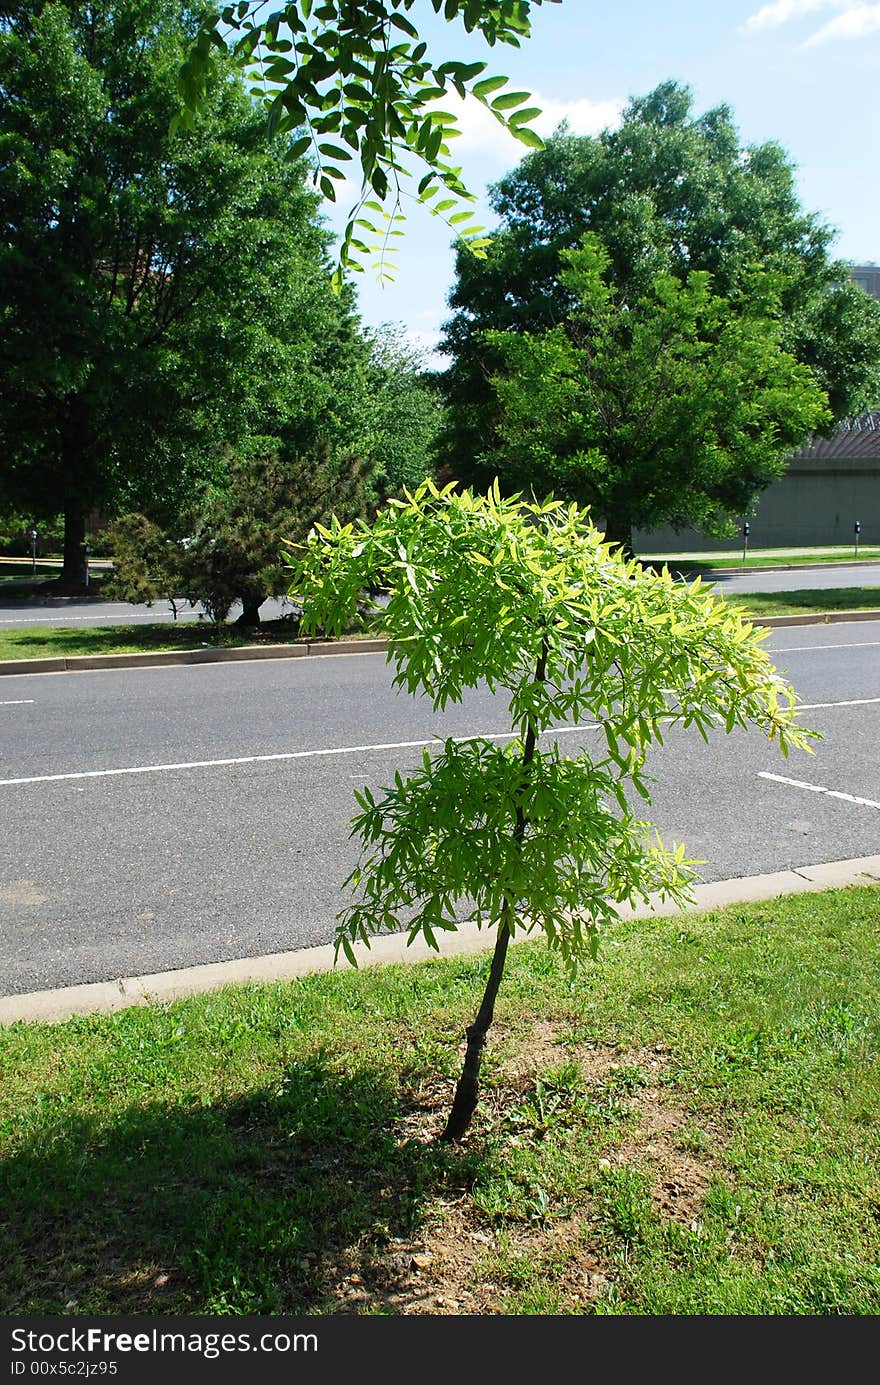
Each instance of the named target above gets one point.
<point>815,503</point>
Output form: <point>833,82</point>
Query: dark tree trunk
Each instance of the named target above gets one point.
<point>74,430</point>
<point>618,529</point>
<point>250,611</point>
<point>467,1090</point>
<point>73,572</point>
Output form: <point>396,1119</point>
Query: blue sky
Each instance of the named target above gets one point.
<point>801,72</point>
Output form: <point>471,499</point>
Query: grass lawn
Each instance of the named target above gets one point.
<point>46,642</point>
<point>769,559</point>
<point>688,1127</point>
<point>806,600</point>
<point>54,642</point>
<point>17,583</point>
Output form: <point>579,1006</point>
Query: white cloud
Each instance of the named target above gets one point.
<point>481,134</point>
<point>426,343</point>
<point>779,12</point>
<point>855,22</point>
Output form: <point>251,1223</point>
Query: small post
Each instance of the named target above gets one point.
<point>86,552</point>
<point>858,530</point>
<point>32,535</point>
<point>745,539</point>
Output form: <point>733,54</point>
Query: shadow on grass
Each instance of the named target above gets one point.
<point>30,589</point>
<point>62,641</point>
<point>262,1204</point>
<point>814,599</point>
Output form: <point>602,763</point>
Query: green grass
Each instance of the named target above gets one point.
<point>17,582</point>
<point>55,642</point>
<point>819,599</point>
<point>688,1127</point>
<point>47,642</point>
<point>21,570</point>
<point>769,559</point>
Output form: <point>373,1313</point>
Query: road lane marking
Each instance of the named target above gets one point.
<point>18,702</point>
<point>347,750</point>
<point>818,788</point>
<point>854,702</point>
<point>820,648</point>
<point>283,755</point>
<point>108,620</point>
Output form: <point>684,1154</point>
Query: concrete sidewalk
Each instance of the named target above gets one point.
<point>105,996</point>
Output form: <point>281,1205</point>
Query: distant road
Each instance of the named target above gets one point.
<point>156,818</point>
<point>76,614</point>
<point>88,613</point>
<point>819,575</point>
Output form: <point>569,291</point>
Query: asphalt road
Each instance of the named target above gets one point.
<point>18,614</point>
<point>818,576</point>
<point>85,614</point>
<point>156,818</point>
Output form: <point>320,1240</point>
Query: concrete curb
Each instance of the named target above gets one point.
<point>817,618</point>
<point>51,1007</point>
<point>83,662</point>
<point>244,653</point>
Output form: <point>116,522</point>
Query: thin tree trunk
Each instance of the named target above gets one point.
<point>467,1089</point>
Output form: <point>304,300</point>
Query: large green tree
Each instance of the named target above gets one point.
<point>403,412</point>
<point>668,192</point>
<point>162,296</point>
<point>669,405</point>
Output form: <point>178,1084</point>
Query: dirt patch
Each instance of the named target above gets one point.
<point>464,1263</point>
<point>461,1267</point>
<point>661,1146</point>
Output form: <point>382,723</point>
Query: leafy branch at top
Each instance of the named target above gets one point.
<point>486,589</point>
<point>355,82</point>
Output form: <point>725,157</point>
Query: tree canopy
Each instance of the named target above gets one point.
<point>162,295</point>
<point>357,82</point>
<point>520,837</point>
<point>667,193</point>
<point>669,405</point>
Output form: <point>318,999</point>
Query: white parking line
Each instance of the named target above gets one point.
<point>357,750</point>
<point>818,788</point>
<point>17,702</point>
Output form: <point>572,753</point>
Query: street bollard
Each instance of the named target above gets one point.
<point>745,540</point>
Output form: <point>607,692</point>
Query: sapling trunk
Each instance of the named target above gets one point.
<point>467,1091</point>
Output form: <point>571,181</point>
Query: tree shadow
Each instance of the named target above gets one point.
<point>146,638</point>
<point>265,1203</point>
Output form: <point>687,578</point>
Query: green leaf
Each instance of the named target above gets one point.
<point>522,117</point>
<point>527,136</point>
<point>489,84</point>
<point>509,100</point>
<point>403,24</point>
